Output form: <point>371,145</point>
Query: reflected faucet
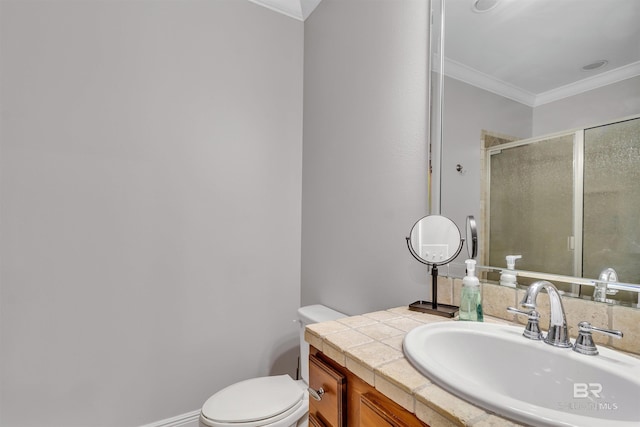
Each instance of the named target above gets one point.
<point>600,292</point>
<point>558,334</point>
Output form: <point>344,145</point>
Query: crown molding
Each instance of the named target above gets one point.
<point>489,83</point>
<point>296,9</point>
<point>589,83</point>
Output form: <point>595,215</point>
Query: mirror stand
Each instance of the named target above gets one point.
<point>432,307</point>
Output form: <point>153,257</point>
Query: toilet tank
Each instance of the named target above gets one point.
<point>307,315</point>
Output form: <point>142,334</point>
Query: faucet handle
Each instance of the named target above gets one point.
<point>584,343</point>
<point>532,330</point>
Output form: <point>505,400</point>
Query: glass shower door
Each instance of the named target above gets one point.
<point>611,222</point>
<point>531,203</point>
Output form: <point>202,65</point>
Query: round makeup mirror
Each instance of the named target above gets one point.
<point>435,240</point>
<point>472,237</point>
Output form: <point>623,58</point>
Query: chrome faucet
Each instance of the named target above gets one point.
<point>558,334</point>
<point>600,292</point>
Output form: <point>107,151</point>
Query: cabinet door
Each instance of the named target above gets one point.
<point>331,385</point>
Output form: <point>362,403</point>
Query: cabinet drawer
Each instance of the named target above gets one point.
<point>380,412</point>
<point>331,408</point>
<point>315,422</point>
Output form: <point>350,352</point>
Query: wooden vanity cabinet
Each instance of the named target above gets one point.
<point>331,384</point>
<point>348,401</point>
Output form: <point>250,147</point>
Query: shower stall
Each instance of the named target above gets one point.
<point>568,203</point>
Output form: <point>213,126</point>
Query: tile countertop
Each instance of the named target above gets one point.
<point>370,346</point>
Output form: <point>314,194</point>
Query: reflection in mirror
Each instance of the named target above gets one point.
<point>434,240</point>
<point>612,200</point>
<point>558,213</point>
<point>531,69</point>
<point>530,200</point>
<point>472,237</point>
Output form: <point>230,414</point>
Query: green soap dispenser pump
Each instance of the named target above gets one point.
<point>471,298</point>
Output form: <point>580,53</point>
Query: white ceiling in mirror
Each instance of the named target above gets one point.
<point>534,51</point>
<point>298,9</point>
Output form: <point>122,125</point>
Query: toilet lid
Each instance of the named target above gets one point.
<point>253,400</point>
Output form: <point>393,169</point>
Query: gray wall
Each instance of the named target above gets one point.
<point>598,106</point>
<point>365,153</point>
<point>151,205</point>
<point>467,111</point>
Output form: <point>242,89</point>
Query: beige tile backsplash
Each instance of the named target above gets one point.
<point>497,298</point>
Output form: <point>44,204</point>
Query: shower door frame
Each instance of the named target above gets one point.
<point>576,242</point>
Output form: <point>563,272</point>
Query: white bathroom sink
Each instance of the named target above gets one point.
<point>496,368</point>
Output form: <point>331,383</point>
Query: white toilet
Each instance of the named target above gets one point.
<point>274,401</point>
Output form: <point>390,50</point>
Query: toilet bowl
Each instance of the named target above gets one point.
<point>273,401</point>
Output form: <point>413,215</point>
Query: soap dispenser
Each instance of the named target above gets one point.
<point>471,299</point>
<point>508,276</point>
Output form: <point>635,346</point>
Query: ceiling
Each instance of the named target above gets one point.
<point>298,9</point>
<point>533,51</point>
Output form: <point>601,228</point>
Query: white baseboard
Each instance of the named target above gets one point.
<point>189,419</point>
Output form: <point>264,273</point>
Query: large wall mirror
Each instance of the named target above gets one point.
<point>538,134</point>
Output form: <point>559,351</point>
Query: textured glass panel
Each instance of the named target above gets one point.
<point>531,206</point>
<point>612,200</point>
